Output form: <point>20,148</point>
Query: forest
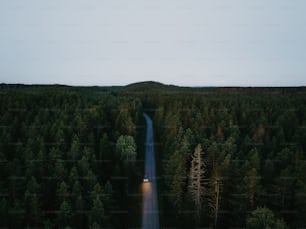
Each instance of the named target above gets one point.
<point>72,157</point>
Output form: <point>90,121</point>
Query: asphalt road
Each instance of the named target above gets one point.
<point>150,217</point>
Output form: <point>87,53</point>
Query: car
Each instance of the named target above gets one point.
<point>145,179</point>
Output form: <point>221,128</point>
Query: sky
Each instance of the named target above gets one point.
<point>181,42</point>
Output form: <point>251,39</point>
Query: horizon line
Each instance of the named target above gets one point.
<point>157,82</point>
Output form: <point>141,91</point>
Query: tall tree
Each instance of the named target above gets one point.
<point>214,194</point>
<point>176,170</point>
<point>97,213</point>
<point>252,186</point>
<point>64,215</point>
<point>197,181</point>
<point>62,192</point>
<point>74,152</point>
<point>126,148</point>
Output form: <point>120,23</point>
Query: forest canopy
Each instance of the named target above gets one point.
<point>226,157</point>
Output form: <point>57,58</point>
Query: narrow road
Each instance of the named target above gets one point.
<point>150,218</point>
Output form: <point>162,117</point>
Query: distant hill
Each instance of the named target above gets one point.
<point>149,84</point>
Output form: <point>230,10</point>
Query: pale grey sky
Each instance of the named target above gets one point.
<point>183,42</point>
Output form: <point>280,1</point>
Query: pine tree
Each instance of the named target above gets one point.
<point>64,214</point>
<point>197,181</point>
<point>97,214</point>
<point>176,169</point>
<point>73,176</point>
<point>74,151</point>
<point>126,148</point>
<point>59,169</point>
<point>252,186</point>
<point>97,211</point>
<point>214,194</point>
<point>62,192</point>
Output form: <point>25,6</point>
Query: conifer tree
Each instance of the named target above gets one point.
<point>197,181</point>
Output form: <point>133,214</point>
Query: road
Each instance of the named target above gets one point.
<point>150,217</point>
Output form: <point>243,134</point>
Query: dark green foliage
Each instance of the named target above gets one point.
<point>61,148</point>
<point>253,147</point>
<point>264,218</point>
<point>57,155</point>
<point>126,148</point>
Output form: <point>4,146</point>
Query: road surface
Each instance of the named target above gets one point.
<point>150,218</point>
